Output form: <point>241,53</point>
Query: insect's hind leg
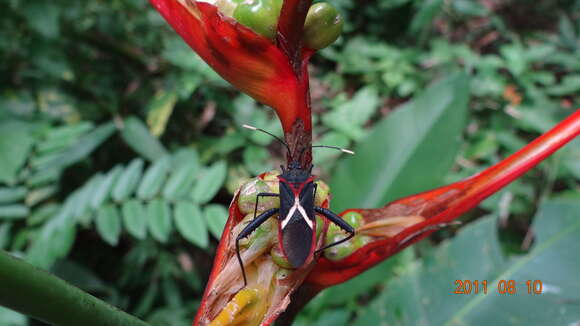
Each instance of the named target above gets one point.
<point>251,227</point>
<point>263,194</point>
<point>331,216</point>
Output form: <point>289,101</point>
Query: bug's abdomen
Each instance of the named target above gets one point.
<point>297,240</point>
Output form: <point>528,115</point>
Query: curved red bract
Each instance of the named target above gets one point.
<point>442,205</point>
<point>250,62</point>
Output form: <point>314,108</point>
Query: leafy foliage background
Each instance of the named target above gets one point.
<point>120,149</point>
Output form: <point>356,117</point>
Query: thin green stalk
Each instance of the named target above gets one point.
<point>41,295</point>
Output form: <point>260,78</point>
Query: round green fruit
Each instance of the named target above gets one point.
<point>278,257</point>
<point>248,193</point>
<point>354,219</point>
<point>322,191</point>
<point>259,15</point>
<point>339,251</point>
<point>322,27</point>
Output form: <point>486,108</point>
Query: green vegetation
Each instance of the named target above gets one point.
<point>120,151</point>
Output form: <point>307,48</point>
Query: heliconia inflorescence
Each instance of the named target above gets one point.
<point>262,47</point>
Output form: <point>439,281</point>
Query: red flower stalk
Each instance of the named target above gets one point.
<point>274,72</point>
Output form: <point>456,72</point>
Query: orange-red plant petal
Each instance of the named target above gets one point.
<point>442,205</point>
<point>273,73</point>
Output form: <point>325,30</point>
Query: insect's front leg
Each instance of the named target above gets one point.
<point>263,194</point>
<point>331,216</point>
<point>251,227</point>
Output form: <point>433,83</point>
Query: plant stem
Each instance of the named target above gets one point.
<point>41,295</point>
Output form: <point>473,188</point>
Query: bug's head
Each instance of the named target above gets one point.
<point>294,170</point>
<point>294,166</point>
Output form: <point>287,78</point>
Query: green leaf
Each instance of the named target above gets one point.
<point>135,218</point>
<point>83,147</point>
<point>42,177</point>
<point>256,159</point>
<point>12,318</point>
<point>138,137</point>
<point>14,211</point>
<point>42,214</point>
<point>79,276</point>
<point>103,190</point>
<point>571,157</point>
<point>15,143</point>
<point>109,224</point>
<point>349,117</point>
<point>211,180</point>
<point>128,180</point>
<point>216,217</point>
<point>10,195</point>
<point>570,84</point>
<point>425,293</point>
<point>5,238</point>
<point>43,17</point>
<point>68,131</point>
<point>190,224</point>
<point>425,15</point>
<point>159,219</point>
<point>171,293</point>
<point>180,182</point>
<point>154,178</point>
<point>331,138</point>
<point>159,111</point>
<point>411,150</point>
<point>185,157</point>
<point>40,194</point>
<point>147,299</point>
<point>62,137</point>
<point>86,194</point>
<point>54,242</point>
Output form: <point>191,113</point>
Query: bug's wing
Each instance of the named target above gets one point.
<point>297,239</point>
<point>286,199</point>
<point>307,199</point>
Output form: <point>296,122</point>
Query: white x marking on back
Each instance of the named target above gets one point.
<point>300,209</point>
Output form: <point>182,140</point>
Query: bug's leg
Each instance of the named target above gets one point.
<point>315,188</point>
<point>338,221</point>
<point>251,227</point>
<point>263,194</point>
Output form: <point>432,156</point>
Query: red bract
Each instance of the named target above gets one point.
<point>273,73</point>
<point>439,206</point>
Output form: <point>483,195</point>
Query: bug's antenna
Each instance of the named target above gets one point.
<point>344,150</point>
<point>268,133</point>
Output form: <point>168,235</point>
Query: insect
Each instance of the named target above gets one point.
<point>297,213</point>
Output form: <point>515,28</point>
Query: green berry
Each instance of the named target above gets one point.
<point>319,225</point>
<point>322,190</point>
<point>263,236</point>
<point>278,257</point>
<point>282,274</point>
<point>271,178</point>
<point>248,193</point>
<point>353,218</point>
<point>259,15</point>
<point>340,251</point>
<point>322,27</point>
